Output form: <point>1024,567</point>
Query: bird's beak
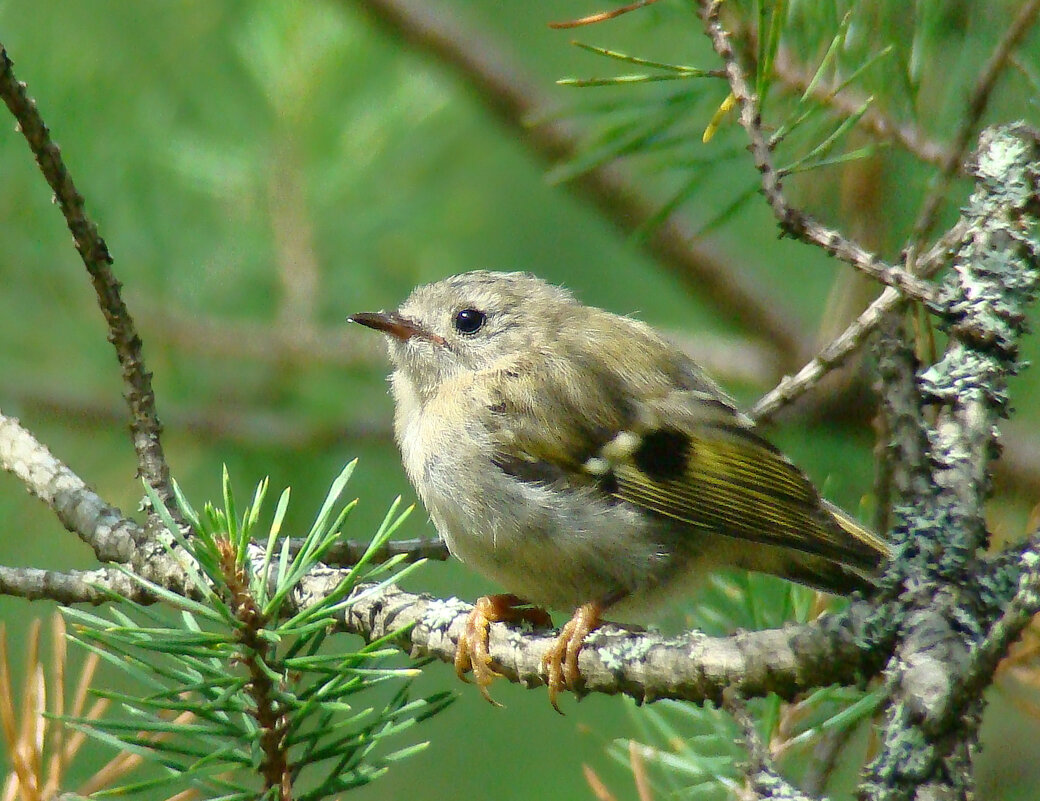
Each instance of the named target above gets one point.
<point>395,325</point>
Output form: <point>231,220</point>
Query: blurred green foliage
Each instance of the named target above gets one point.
<point>262,169</point>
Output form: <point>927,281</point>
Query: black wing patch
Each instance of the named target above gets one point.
<point>728,480</point>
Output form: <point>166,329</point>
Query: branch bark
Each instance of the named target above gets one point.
<point>945,650</point>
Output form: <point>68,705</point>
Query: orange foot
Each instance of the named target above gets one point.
<point>472,649</point>
<point>561,660</point>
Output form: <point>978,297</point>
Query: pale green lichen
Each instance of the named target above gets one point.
<point>441,612</point>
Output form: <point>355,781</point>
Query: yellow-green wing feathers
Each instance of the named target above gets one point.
<point>730,481</point>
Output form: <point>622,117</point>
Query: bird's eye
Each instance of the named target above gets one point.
<point>469,321</point>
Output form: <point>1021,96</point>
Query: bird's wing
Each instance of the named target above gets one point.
<point>681,454</point>
<point>727,479</point>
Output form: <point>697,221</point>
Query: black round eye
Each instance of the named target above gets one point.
<point>469,321</point>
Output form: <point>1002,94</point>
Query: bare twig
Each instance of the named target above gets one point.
<point>514,100</point>
<point>835,352</point>
<point>763,781</point>
<point>795,221</point>
<point>144,423</point>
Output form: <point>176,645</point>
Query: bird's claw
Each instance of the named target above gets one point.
<point>560,662</point>
<point>472,651</point>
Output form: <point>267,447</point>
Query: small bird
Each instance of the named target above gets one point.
<point>584,463</point>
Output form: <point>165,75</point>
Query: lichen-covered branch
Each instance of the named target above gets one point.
<point>836,649</point>
<point>949,603</point>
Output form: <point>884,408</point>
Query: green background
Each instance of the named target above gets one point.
<point>229,150</point>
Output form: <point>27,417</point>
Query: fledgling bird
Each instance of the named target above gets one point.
<point>584,463</point>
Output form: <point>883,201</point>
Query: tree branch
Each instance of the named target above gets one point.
<point>144,423</point>
<point>950,604</point>
<point>73,587</point>
<point>836,649</point>
<point>794,221</point>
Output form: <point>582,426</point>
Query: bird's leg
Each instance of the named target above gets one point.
<point>472,649</point>
<point>561,660</point>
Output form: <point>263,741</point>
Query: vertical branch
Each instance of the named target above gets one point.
<point>933,714</point>
<point>901,443</point>
<point>144,423</point>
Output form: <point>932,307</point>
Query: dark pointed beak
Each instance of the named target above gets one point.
<point>395,325</point>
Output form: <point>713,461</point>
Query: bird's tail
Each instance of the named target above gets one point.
<point>864,541</point>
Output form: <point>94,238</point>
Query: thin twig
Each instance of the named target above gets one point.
<point>835,352</point>
<point>793,221</point>
<point>144,423</point>
<point>349,552</point>
<point>977,103</point>
<point>763,780</point>
<point>514,100</point>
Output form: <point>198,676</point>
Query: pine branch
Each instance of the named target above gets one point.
<point>793,221</point>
